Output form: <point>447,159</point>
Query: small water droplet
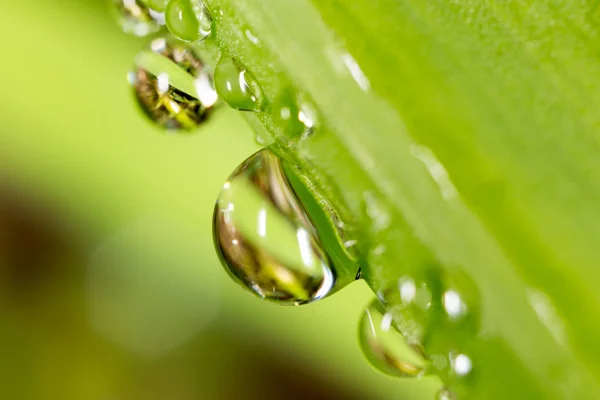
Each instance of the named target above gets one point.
<point>188,20</point>
<point>385,347</point>
<point>297,115</point>
<point>237,86</point>
<point>172,85</point>
<point>135,17</point>
<point>445,394</point>
<point>277,253</point>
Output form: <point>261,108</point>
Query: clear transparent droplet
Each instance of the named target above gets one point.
<point>237,86</point>
<point>172,85</point>
<point>265,238</point>
<point>385,347</point>
<point>188,20</point>
<point>135,17</point>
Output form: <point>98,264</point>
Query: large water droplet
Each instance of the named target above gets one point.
<point>237,86</point>
<point>265,238</point>
<point>188,20</point>
<point>385,347</point>
<point>136,18</point>
<point>172,85</point>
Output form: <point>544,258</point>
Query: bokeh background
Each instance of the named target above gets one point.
<point>109,283</point>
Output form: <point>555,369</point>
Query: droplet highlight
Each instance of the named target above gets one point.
<point>385,347</point>
<point>172,85</point>
<point>265,238</point>
<point>135,17</point>
<point>237,86</point>
<point>188,20</point>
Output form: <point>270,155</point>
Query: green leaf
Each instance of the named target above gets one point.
<point>457,133</point>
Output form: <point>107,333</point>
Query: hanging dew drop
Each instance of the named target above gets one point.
<point>188,20</point>
<point>385,347</point>
<point>172,85</point>
<point>237,86</point>
<point>266,239</point>
<point>136,18</point>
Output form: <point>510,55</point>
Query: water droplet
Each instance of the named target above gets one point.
<point>237,86</point>
<point>297,115</point>
<point>135,17</point>
<point>188,20</point>
<point>172,85</point>
<point>158,5</point>
<point>445,394</point>
<point>385,347</point>
<point>438,309</point>
<point>265,238</point>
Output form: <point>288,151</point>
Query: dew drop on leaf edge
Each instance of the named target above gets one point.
<point>237,86</point>
<point>172,85</point>
<point>264,237</point>
<point>188,20</point>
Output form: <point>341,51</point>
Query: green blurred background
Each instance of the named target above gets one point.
<point>109,283</point>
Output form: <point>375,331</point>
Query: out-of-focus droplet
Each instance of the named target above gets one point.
<point>146,288</point>
<point>385,347</point>
<point>438,309</point>
<point>445,394</point>
<point>266,240</point>
<point>173,86</point>
<point>136,18</point>
<point>188,20</point>
<point>237,86</point>
<point>297,116</point>
<point>158,5</point>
